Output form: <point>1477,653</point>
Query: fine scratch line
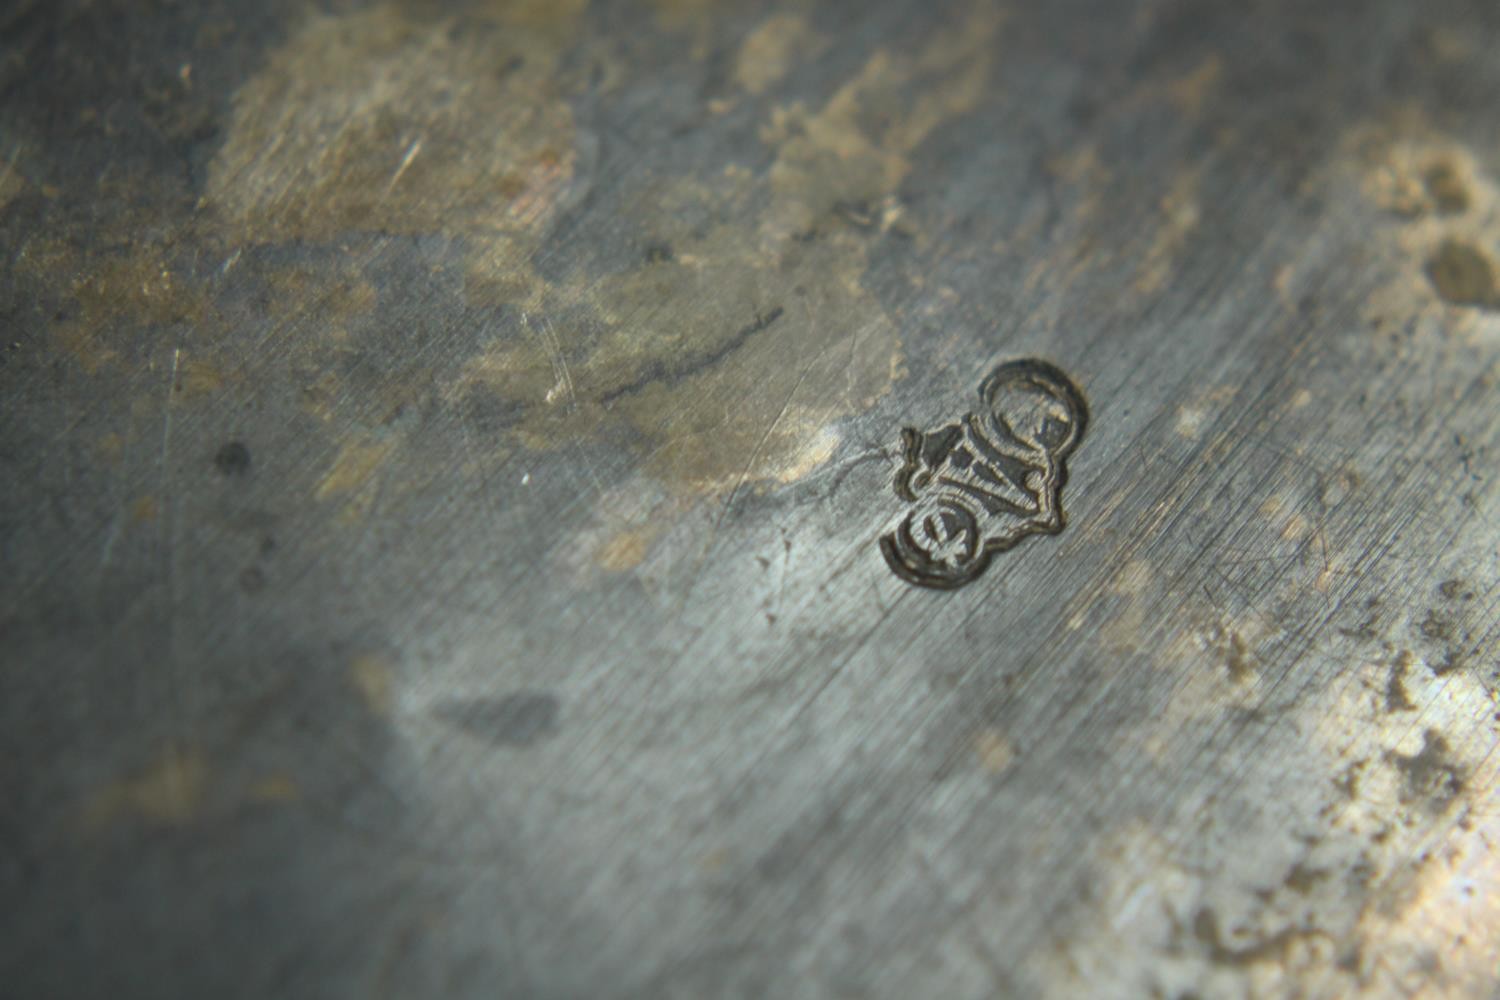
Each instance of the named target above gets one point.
<point>166,420</point>
<point>411,154</point>
<point>169,523</point>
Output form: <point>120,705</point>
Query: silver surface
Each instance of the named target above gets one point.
<point>445,447</point>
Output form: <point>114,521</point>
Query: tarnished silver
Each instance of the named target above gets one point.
<point>445,447</point>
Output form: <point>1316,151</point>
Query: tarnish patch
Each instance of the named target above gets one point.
<point>166,792</point>
<point>1189,92</point>
<point>322,300</point>
<point>276,787</point>
<point>1449,907</point>
<point>1464,275</point>
<point>1180,212</point>
<point>995,752</point>
<point>1442,210</point>
<point>771,50</point>
<point>380,121</point>
<point>626,550</point>
<point>12,181</point>
<point>691,17</point>
<point>111,295</point>
<point>1193,415</point>
<point>744,330</point>
<point>371,677</point>
<point>355,463</point>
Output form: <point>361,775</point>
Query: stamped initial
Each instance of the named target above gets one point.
<point>979,486</point>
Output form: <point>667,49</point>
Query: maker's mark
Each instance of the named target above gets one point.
<point>979,486</point>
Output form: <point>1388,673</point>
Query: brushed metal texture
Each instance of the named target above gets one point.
<point>445,446</point>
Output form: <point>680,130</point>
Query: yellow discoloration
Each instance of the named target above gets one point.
<point>626,550</point>
<point>1214,656</point>
<point>1192,416</point>
<point>12,183</point>
<point>1190,421</point>
<point>166,792</point>
<point>498,271</point>
<point>357,508</point>
<point>1451,910</point>
<point>175,790</point>
<point>1356,724</point>
<point>1190,91</point>
<point>357,461</point>
<point>1442,211</point>
<point>197,377</point>
<point>144,509</point>
<point>1133,579</point>
<point>1151,898</point>
<point>143,285</point>
<point>110,296</point>
<point>730,351</point>
<point>1412,172</point>
<point>275,788</point>
<point>1409,787</point>
<point>716,861</point>
<point>1428,926</point>
<point>320,301</point>
<point>691,17</point>
<point>549,21</point>
<point>1296,528</point>
<point>1444,906</point>
<point>854,149</point>
<point>1130,584</point>
<point>1329,574</point>
<point>817,446</point>
<point>320,398</point>
<point>1180,213</point>
<point>771,50</point>
<point>111,446</point>
<point>676,13</point>
<point>373,680</point>
<point>380,121</point>
<point>995,752</point>
<point>1281,284</point>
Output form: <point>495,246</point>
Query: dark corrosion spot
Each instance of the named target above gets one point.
<point>1436,628</point>
<point>1303,880</point>
<point>233,459</point>
<point>1445,186</point>
<point>1430,776</point>
<point>1238,659</point>
<point>514,720</point>
<point>658,253</point>
<point>1464,275</point>
<point>1455,590</point>
<point>1252,952</point>
<point>1397,699</point>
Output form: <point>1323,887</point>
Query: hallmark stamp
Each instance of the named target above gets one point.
<point>979,486</point>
